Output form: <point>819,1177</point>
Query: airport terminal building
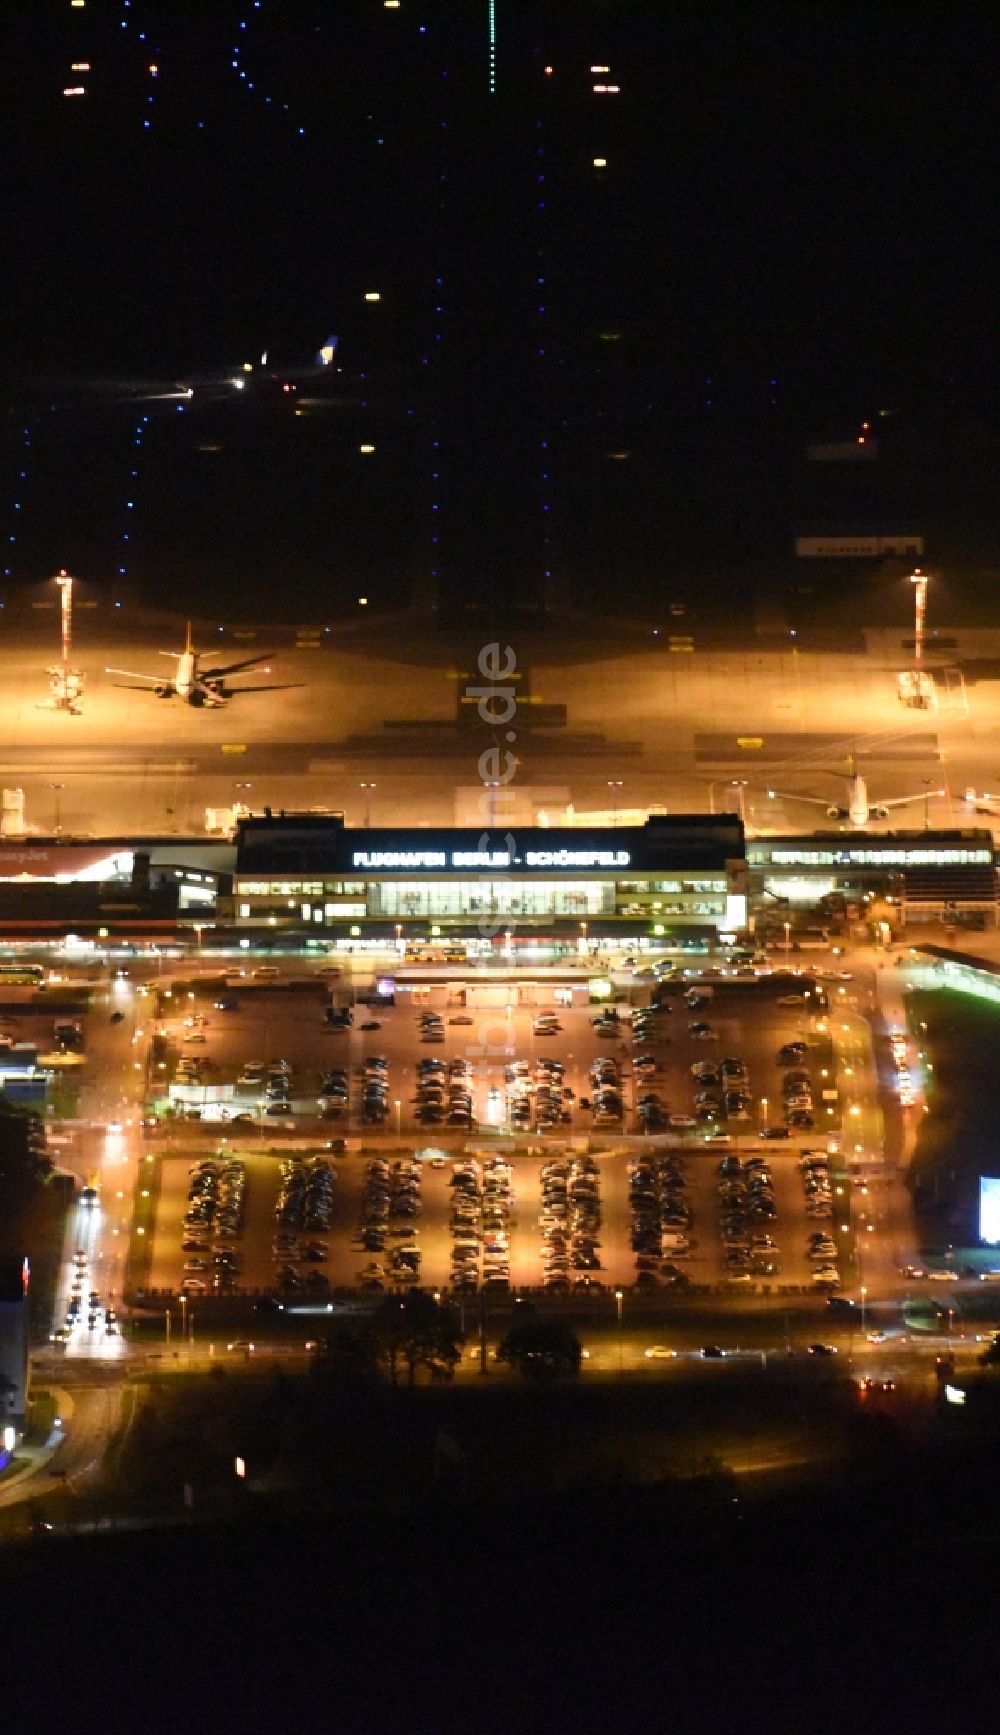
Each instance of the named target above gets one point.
<point>674,876</point>
<point>928,875</point>
<point>678,878</point>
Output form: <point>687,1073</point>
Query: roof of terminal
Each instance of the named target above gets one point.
<point>667,843</point>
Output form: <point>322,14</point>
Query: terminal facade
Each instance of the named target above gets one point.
<point>677,878</point>
<point>672,877</point>
<point>923,875</point>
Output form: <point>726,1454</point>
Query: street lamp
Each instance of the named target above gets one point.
<point>619,1298</point>
<point>57,789</point>
<point>788,938</point>
<point>399,1110</point>
<point>366,789</point>
<point>614,784</point>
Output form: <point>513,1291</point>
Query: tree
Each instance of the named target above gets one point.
<point>349,1357</point>
<point>25,1168</point>
<point>417,1331</point>
<point>541,1349</point>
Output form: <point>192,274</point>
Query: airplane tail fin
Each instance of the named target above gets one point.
<point>188,645</point>
<point>326,355</point>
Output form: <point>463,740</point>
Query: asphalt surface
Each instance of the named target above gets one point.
<point>745,1019</point>
<point>378,705</point>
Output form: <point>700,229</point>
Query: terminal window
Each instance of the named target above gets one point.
<point>480,897</point>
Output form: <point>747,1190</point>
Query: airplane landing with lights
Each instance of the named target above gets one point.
<point>192,681</point>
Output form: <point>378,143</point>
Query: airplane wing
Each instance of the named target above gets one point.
<point>904,800</point>
<point>134,675</point>
<point>786,795</point>
<point>218,670</point>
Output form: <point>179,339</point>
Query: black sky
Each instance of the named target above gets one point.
<point>803,193</point>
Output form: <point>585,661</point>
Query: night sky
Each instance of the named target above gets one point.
<point>573,373</point>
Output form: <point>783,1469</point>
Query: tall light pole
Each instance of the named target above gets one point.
<point>366,789</point>
<point>614,784</point>
<point>65,584</point>
<point>65,684</point>
<point>57,789</point>
<point>918,580</point>
<point>619,1298</point>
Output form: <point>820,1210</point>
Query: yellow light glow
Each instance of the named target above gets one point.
<point>373,295</point>
<point>600,162</point>
<point>366,448</point>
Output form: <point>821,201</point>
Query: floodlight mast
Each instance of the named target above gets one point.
<point>65,683</point>
<point>918,580</point>
<point>65,584</point>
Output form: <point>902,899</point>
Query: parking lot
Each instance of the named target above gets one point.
<point>519,1146</point>
<point>511,1218</point>
<point>707,1058</point>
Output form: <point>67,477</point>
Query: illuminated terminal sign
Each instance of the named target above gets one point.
<point>489,860</point>
<point>890,857</point>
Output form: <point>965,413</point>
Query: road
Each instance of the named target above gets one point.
<point>103,1149</point>
<point>96,1404</point>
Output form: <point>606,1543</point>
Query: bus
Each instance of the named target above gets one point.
<point>22,976</point>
